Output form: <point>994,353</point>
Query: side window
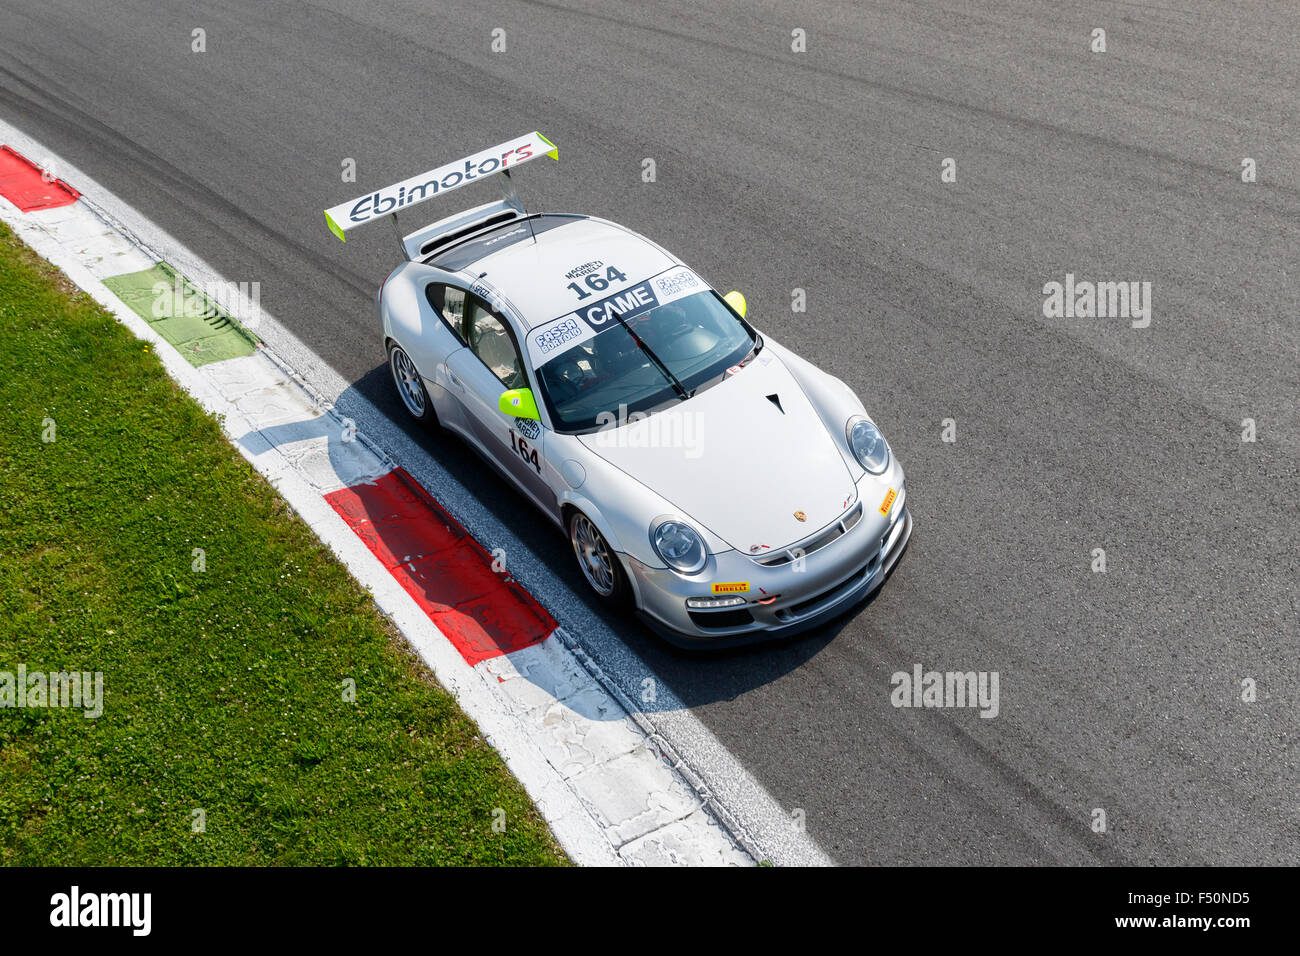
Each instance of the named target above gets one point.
<point>490,340</point>
<point>449,302</point>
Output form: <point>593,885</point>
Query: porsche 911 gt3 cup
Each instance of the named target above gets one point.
<point>724,486</point>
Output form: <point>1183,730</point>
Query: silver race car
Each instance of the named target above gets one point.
<point>727,488</point>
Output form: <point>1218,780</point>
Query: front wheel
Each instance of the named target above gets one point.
<point>410,386</point>
<point>597,560</point>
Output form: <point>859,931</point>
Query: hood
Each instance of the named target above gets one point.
<point>740,459</point>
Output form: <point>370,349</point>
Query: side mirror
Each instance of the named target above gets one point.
<point>736,301</point>
<point>519,403</point>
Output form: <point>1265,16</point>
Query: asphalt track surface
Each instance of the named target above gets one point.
<point>821,170</point>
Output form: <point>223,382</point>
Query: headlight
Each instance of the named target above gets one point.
<point>868,445</point>
<point>678,545</point>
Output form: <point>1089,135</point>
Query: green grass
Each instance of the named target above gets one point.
<point>222,688</point>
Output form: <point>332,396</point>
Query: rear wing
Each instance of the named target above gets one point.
<point>497,162</point>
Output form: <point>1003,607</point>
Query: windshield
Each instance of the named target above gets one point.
<point>696,338</point>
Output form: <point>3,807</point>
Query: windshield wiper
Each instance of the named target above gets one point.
<point>678,387</point>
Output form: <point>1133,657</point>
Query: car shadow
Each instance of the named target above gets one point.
<point>694,677</point>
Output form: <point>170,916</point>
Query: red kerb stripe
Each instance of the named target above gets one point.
<point>449,574</point>
<point>23,185</point>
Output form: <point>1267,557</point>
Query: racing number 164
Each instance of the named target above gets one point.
<point>520,445</point>
<point>597,283</point>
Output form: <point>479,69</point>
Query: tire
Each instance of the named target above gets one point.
<point>597,561</point>
<point>410,387</point>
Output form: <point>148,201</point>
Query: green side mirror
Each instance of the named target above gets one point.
<point>519,403</point>
<point>736,301</point>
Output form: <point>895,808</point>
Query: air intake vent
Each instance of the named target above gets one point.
<point>451,238</point>
<point>445,233</point>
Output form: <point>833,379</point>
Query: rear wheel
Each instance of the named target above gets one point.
<point>597,560</point>
<point>410,386</point>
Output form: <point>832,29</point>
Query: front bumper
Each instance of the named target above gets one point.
<point>781,601</point>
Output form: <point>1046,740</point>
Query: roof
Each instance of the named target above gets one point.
<point>535,269</point>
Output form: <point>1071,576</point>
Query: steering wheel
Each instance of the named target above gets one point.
<point>569,378</point>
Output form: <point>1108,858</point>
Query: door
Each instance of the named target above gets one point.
<point>449,305</point>
<point>489,365</point>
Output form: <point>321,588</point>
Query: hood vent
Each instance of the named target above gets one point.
<point>776,400</point>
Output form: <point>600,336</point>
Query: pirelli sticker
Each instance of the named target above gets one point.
<point>731,587</point>
<point>888,502</point>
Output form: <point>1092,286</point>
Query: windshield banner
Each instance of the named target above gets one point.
<point>547,341</point>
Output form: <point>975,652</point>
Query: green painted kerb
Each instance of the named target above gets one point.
<point>182,314</point>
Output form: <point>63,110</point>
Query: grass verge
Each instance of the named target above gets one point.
<point>223,688</point>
